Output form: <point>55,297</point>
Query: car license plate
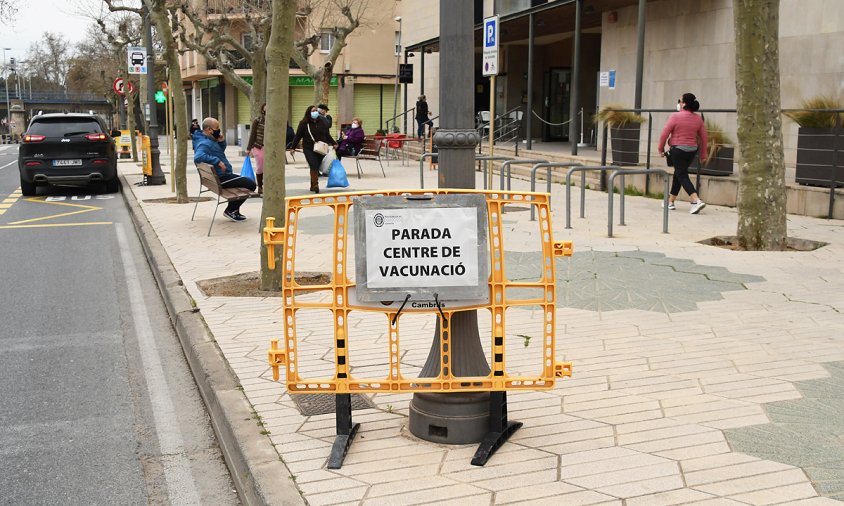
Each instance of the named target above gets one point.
<point>67,163</point>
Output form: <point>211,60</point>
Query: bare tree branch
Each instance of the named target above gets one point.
<point>209,33</point>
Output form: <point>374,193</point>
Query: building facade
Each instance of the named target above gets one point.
<point>364,75</point>
<point>688,47</point>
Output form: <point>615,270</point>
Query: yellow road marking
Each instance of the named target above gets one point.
<point>58,225</point>
<point>10,200</point>
<point>85,209</point>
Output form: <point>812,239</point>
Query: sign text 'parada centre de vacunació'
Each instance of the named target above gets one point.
<point>432,248</point>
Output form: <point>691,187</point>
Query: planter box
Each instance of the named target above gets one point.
<point>721,164</point>
<point>625,144</point>
<point>814,156</point>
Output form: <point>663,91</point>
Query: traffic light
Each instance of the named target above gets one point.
<point>160,97</point>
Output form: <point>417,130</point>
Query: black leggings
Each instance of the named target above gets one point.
<point>681,160</point>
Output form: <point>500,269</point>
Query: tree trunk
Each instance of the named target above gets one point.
<point>761,199</point>
<point>279,49</point>
<point>321,84</point>
<point>259,83</point>
<point>180,121</point>
<point>160,18</point>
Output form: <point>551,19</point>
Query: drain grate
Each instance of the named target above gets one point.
<point>322,404</point>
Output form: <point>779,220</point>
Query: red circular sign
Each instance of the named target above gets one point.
<point>117,86</point>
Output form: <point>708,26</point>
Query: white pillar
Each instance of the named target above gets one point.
<point>196,101</point>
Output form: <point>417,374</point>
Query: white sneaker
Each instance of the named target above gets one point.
<point>671,206</point>
<point>697,206</point>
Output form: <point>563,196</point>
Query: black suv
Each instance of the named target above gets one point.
<point>67,149</point>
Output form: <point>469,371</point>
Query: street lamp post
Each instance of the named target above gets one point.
<point>157,177</point>
<point>396,86</point>
<point>459,417</point>
<point>6,82</point>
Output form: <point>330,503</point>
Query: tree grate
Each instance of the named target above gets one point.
<point>322,404</point>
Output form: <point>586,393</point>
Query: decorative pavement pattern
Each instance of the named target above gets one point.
<point>807,432</point>
<point>669,354</point>
<point>650,281</point>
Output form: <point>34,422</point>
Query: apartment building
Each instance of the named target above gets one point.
<point>364,75</point>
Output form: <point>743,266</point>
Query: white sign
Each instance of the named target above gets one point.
<point>422,248</point>
<point>137,59</point>
<point>607,79</point>
<point>490,54</point>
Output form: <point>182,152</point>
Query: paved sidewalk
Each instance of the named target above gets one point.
<point>701,375</point>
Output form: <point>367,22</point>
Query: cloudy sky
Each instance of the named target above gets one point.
<point>37,16</point>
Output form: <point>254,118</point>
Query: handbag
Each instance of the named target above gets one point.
<point>337,176</point>
<point>247,171</point>
<point>319,146</point>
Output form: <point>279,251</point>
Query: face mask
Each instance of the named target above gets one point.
<point>679,106</point>
<point>314,114</point>
<point>216,133</point>
<point>355,125</point>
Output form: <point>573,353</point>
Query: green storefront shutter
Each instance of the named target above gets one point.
<point>244,112</point>
<point>300,98</point>
<point>368,106</point>
<point>303,96</point>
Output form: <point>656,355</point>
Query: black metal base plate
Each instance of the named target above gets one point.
<point>342,442</point>
<point>492,442</point>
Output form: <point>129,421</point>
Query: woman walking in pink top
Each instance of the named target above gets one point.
<point>682,132</point>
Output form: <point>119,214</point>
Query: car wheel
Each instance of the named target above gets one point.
<point>112,185</point>
<point>27,189</point>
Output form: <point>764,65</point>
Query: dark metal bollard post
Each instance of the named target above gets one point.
<point>422,169</point>
<point>605,135</point>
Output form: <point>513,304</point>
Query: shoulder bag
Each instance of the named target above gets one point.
<point>319,146</point>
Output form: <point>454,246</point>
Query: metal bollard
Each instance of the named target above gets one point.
<point>506,167</point>
<point>486,160</point>
<point>548,166</point>
<point>422,167</point>
<point>582,170</point>
<point>622,172</point>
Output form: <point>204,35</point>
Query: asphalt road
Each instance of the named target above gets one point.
<point>97,404</point>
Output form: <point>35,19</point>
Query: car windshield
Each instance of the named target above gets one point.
<point>63,127</point>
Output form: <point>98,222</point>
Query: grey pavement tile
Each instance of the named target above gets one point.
<point>804,432</point>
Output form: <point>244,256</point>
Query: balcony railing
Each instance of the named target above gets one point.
<point>239,62</point>
<point>235,8</point>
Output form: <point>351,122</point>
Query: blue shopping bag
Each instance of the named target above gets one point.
<point>337,176</point>
<point>247,171</point>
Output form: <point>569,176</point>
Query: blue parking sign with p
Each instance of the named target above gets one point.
<point>489,32</point>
